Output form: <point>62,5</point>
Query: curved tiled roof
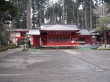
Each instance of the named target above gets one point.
<point>87,32</point>
<point>59,27</point>
<point>34,32</point>
<point>21,30</point>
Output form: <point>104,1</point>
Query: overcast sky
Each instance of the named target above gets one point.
<point>54,0</point>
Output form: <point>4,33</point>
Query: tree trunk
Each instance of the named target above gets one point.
<point>73,13</point>
<point>77,16</point>
<point>91,14</point>
<point>29,19</point>
<point>103,13</point>
<point>66,15</point>
<point>82,19</point>
<point>53,16</point>
<point>63,12</point>
<point>85,15</point>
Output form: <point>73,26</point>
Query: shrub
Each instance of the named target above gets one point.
<point>3,49</point>
<point>11,46</point>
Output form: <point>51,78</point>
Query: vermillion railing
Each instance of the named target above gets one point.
<point>60,44</point>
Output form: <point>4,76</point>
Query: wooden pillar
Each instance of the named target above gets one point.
<point>40,41</point>
<point>58,38</point>
<point>47,38</point>
<point>70,38</point>
<point>62,37</point>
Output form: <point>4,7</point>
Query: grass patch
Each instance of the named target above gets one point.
<point>103,48</point>
<point>85,48</point>
<point>32,49</point>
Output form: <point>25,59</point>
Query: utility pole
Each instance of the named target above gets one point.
<point>29,18</point>
<point>63,11</point>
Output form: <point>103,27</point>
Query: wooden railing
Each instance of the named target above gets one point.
<point>60,44</point>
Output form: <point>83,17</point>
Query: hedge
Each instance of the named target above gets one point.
<point>10,46</point>
<point>3,49</point>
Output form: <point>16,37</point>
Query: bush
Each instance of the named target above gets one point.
<point>11,46</point>
<point>103,48</point>
<point>3,49</point>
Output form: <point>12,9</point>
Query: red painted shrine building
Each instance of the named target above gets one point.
<point>58,35</point>
<point>55,35</point>
<point>61,35</point>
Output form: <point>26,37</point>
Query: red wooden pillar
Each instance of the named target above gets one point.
<point>58,38</point>
<point>41,40</point>
<point>62,38</point>
<point>47,38</point>
<point>70,37</point>
<point>107,38</point>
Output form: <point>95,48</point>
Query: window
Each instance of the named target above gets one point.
<point>81,39</point>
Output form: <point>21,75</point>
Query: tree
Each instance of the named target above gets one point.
<point>7,10</point>
<point>38,7</point>
<point>54,13</point>
<point>45,9</point>
<point>101,10</point>
<point>21,18</point>
<point>102,26</point>
<point>7,13</point>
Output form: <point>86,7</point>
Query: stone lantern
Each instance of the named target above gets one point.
<point>94,46</point>
<point>93,39</point>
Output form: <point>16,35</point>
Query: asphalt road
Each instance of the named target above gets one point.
<point>55,66</point>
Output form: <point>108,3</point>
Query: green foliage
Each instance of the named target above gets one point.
<point>3,38</point>
<point>7,13</point>
<point>7,10</point>
<point>20,42</point>
<point>39,7</point>
<point>3,49</point>
<point>20,20</point>
<point>107,1</point>
<point>69,9</point>
<point>102,24</point>
<point>53,13</point>
<point>11,46</point>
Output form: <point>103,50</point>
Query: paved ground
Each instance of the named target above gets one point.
<point>55,66</point>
